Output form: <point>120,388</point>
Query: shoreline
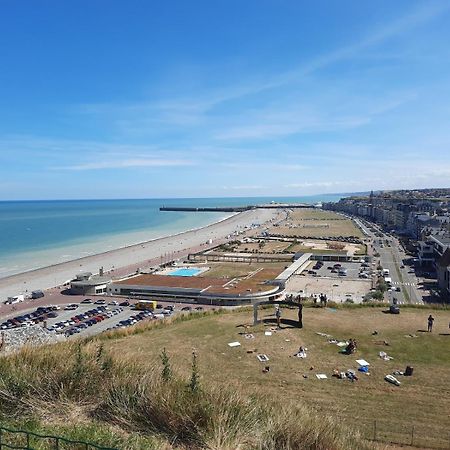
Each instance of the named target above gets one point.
<point>122,247</point>
<point>122,260</point>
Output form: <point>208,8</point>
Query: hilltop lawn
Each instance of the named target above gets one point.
<point>421,400</point>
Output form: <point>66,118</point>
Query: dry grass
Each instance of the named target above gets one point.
<point>314,214</point>
<point>269,247</point>
<point>422,399</point>
<point>98,387</point>
<point>233,270</point>
<point>316,223</point>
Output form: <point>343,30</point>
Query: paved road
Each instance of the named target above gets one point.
<point>391,257</point>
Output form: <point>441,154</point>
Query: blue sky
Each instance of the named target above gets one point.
<point>135,99</point>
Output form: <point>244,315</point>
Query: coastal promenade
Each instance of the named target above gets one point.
<point>125,260</point>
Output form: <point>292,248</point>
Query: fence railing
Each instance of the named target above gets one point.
<point>28,440</point>
<point>415,435</point>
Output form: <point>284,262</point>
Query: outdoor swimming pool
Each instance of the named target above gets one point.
<point>185,272</point>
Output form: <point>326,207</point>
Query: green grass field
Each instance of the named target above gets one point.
<point>421,399</point>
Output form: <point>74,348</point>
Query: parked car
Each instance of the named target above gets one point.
<point>100,302</point>
<point>71,307</point>
<point>125,303</point>
<point>86,301</point>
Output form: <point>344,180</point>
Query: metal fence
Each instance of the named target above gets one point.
<point>27,440</point>
<point>415,435</point>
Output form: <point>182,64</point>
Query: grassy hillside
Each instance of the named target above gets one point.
<point>110,388</point>
<point>421,400</point>
<point>93,391</point>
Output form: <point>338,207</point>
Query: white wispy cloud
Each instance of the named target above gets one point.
<point>243,187</point>
<point>309,184</point>
<point>261,165</point>
<point>187,111</point>
<point>128,163</point>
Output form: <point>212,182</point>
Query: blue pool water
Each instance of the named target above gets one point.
<point>185,272</point>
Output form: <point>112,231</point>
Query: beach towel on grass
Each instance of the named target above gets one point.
<point>362,362</point>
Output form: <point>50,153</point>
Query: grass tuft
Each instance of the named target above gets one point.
<point>131,405</point>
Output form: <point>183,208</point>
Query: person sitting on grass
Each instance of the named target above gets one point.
<point>301,352</point>
<point>351,347</point>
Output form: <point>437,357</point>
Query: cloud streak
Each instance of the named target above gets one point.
<point>128,164</point>
<point>192,111</point>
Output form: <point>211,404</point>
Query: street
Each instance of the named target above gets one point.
<point>391,257</point>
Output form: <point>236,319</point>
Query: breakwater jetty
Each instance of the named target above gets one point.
<point>235,208</point>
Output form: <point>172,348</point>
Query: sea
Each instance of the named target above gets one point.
<point>35,234</point>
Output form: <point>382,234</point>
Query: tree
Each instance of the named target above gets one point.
<point>378,295</point>
<point>194,384</point>
<point>166,373</point>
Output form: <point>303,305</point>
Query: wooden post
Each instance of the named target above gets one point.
<point>255,314</point>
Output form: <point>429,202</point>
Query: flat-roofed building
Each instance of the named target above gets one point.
<point>88,284</point>
<point>202,289</point>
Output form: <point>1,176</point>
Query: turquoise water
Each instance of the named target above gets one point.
<point>185,272</point>
<point>40,233</point>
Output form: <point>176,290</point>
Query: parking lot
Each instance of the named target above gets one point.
<point>341,282</point>
<point>89,318</point>
<point>338,289</point>
<point>349,270</point>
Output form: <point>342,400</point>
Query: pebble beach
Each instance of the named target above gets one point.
<point>122,261</point>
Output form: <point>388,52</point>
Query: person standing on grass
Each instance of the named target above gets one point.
<point>430,323</point>
<point>278,315</point>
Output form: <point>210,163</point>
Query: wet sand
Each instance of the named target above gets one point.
<point>126,260</point>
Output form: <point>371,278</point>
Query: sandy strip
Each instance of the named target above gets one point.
<point>125,260</point>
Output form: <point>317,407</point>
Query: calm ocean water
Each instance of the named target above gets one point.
<point>40,233</point>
